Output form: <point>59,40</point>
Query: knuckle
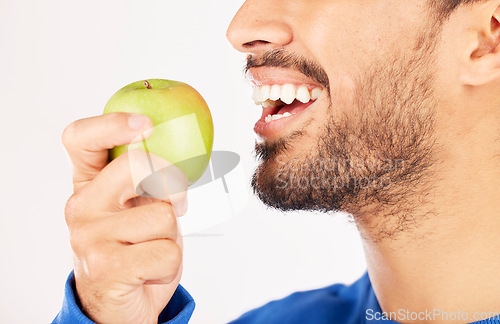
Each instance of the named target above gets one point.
<point>96,264</point>
<point>165,219</point>
<point>71,209</point>
<point>165,210</point>
<point>144,218</point>
<point>176,261</point>
<point>158,219</point>
<point>78,233</point>
<point>114,117</point>
<point>174,253</point>
<point>68,134</point>
<point>80,237</point>
<point>100,262</point>
<point>169,258</point>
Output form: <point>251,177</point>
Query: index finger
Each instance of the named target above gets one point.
<point>88,140</point>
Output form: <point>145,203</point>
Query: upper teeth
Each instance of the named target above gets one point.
<point>267,95</point>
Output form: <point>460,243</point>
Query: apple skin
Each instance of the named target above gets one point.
<point>162,101</point>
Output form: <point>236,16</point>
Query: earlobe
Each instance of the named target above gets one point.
<point>484,63</point>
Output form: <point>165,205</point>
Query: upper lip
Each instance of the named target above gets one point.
<point>274,75</point>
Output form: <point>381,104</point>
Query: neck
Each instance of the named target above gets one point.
<point>449,260</point>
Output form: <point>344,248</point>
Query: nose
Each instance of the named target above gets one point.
<point>259,26</point>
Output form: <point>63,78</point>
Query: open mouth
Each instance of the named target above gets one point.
<point>281,101</point>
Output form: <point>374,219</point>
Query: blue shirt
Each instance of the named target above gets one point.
<point>353,304</point>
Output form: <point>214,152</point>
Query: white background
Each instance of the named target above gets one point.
<point>61,61</point>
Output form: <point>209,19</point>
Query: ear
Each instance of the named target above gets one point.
<point>484,61</point>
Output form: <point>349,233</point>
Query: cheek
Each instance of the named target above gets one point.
<point>342,98</point>
<point>332,42</point>
<point>348,35</point>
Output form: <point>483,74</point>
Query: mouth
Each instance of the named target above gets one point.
<point>283,105</point>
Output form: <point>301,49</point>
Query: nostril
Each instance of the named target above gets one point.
<point>254,43</point>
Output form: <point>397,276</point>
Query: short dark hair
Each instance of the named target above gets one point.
<point>444,8</point>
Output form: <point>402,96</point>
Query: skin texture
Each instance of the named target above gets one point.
<point>127,249</point>
<point>367,159</point>
<point>399,86</point>
<point>411,100</point>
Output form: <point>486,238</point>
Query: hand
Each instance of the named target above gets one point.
<point>127,249</point>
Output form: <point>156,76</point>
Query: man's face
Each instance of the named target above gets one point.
<point>368,141</point>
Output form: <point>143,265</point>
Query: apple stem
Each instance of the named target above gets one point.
<point>147,85</point>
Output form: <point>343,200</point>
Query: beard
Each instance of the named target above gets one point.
<point>373,162</point>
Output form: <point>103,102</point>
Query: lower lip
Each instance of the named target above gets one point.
<point>278,126</point>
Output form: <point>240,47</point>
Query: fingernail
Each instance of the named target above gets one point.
<point>138,121</point>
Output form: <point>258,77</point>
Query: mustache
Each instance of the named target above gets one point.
<point>282,59</point>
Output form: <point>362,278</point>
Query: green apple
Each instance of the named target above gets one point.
<point>183,130</point>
